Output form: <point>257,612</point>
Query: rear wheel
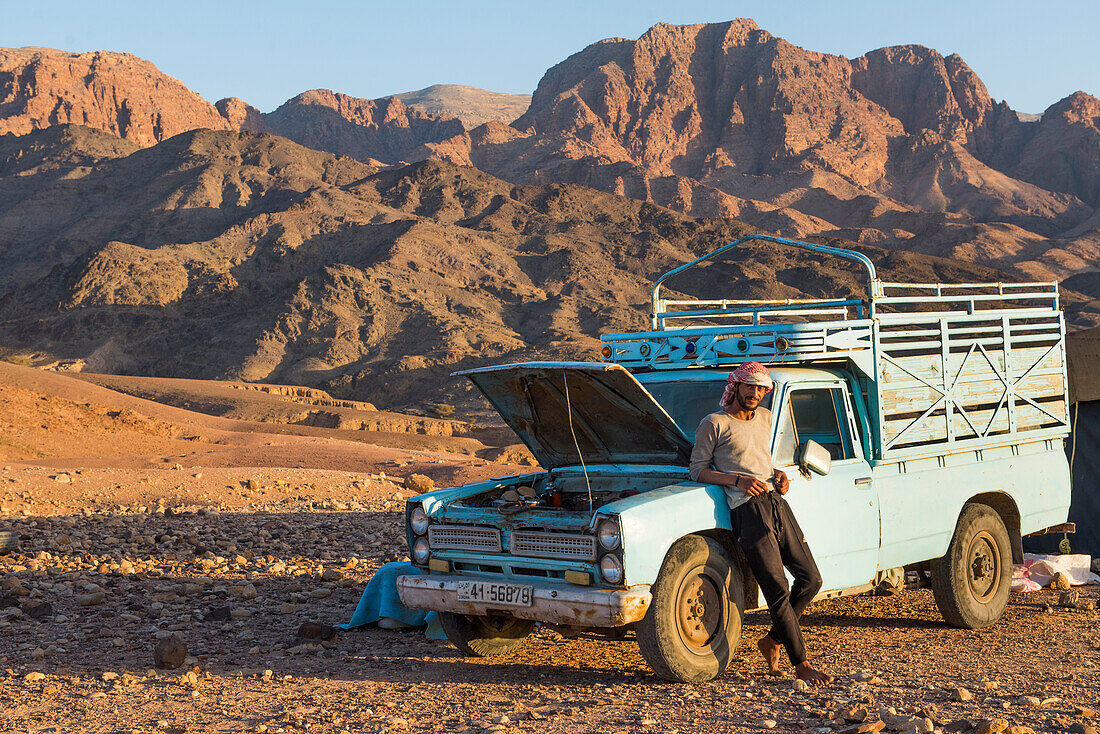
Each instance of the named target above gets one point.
<point>483,637</point>
<point>973,580</point>
<point>693,626</point>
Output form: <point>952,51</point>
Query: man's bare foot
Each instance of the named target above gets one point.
<point>811,675</point>
<point>769,648</point>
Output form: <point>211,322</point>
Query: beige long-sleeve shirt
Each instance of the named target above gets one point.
<point>734,446</point>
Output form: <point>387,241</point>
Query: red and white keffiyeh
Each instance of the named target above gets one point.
<point>750,373</point>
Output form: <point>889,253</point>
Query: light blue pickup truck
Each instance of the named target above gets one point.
<point>922,426</point>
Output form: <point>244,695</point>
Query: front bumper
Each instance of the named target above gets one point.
<point>558,603</point>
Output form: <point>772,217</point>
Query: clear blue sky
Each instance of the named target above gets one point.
<point>1030,54</point>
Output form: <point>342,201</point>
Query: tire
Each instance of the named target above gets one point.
<point>973,580</point>
<point>484,637</point>
<point>693,626</point>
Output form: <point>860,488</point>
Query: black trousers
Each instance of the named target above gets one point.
<point>771,539</point>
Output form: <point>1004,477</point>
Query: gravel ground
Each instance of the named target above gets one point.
<point>89,596</point>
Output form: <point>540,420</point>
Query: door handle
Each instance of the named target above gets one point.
<point>863,480</point>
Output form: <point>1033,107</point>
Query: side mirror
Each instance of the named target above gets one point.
<point>812,456</point>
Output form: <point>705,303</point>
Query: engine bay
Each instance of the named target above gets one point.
<point>569,493</point>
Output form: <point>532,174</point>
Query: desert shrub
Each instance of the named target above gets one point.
<point>19,359</point>
<point>442,410</point>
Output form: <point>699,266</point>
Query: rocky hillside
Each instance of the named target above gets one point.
<point>247,256</point>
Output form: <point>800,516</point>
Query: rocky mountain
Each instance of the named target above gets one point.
<point>471,105</point>
<point>219,254</point>
<point>115,92</point>
<point>901,147</point>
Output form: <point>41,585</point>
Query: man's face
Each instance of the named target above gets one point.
<point>749,396</point>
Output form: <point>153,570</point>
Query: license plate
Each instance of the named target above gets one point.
<point>493,592</point>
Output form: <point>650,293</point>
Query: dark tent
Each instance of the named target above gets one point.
<point>1083,448</point>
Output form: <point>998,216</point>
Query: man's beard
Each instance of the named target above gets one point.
<point>741,401</point>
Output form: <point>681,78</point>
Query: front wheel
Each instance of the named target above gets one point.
<point>693,626</point>
<point>484,637</point>
<point>972,582</point>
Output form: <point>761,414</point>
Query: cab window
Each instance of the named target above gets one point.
<point>814,414</point>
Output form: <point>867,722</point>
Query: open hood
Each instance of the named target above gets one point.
<point>614,419</point>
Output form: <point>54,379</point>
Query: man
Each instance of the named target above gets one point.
<point>737,442</point>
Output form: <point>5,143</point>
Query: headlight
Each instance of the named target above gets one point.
<point>418,520</point>
<point>608,534</point>
<point>611,568</point>
<point>421,551</point>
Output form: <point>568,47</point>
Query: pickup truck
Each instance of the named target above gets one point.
<point>922,427</point>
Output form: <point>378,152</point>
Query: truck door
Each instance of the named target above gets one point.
<point>838,512</point>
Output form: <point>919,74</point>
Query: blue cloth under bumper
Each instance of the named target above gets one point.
<point>380,600</point>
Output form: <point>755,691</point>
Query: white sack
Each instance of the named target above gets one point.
<point>1041,568</point>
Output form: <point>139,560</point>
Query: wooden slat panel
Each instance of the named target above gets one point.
<point>977,366</point>
<point>934,427</point>
<point>915,397</point>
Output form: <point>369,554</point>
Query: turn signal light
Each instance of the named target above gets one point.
<point>606,352</point>
<point>578,577</point>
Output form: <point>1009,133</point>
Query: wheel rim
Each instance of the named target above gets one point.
<point>983,566</point>
<point>701,609</point>
<point>499,625</point>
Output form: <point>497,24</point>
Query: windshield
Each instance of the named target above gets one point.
<point>689,401</point>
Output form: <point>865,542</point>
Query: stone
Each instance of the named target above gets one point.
<point>1069,599</point>
<point>768,723</point>
<point>1084,711</point>
<point>1060,581</point>
<point>218,614</point>
<point>1031,701</point>
<point>239,613</point>
<point>800,685</point>
<point>243,591</point>
<point>864,728</point>
<point>90,600</point>
<point>38,609</point>
<point>331,574</point>
<point>855,714</point>
<point>34,677</point>
<point>419,483</point>
<point>316,631</point>
<point>961,694</point>
<point>1080,727</point>
<point>990,726</point>
<point>252,484</point>
<point>170,652</point>
<point>1017,729</point>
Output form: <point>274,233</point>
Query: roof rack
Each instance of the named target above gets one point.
<point>696,332</point>
<point>945,367</point>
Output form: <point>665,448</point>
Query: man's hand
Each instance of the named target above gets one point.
<point>781,482</point>
<point>751,486</point>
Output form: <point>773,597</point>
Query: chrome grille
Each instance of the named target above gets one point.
<point>463,537</point>
<point>554,545</point>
